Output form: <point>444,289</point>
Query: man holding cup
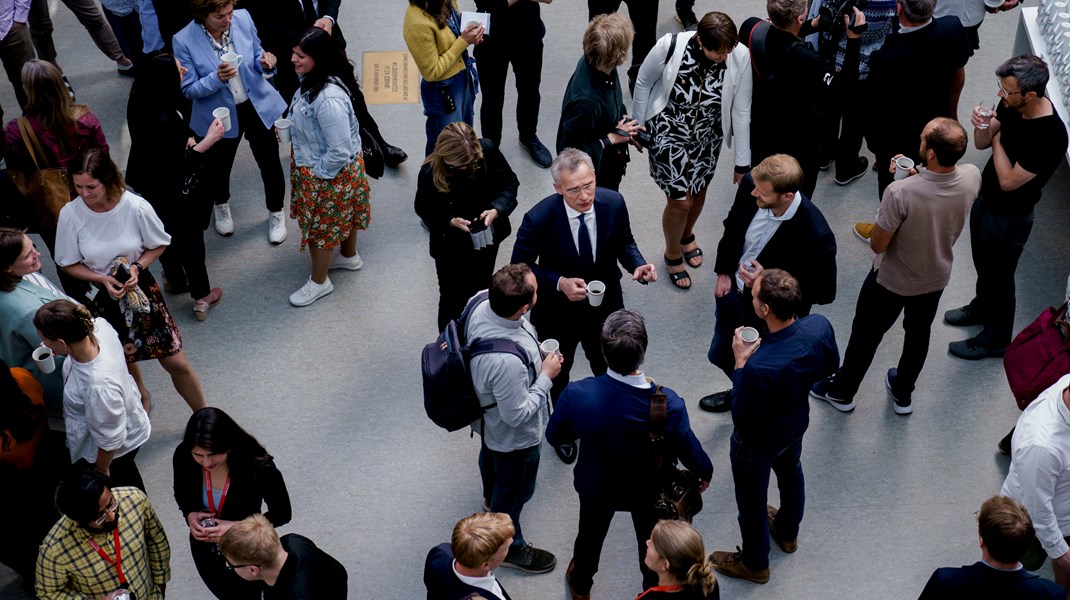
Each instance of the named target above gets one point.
<point>918,222</point>
<point>571,240</point>
<point>516,396</point>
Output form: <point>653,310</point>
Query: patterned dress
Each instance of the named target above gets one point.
<point>687,133</point>
<point>329,209</point>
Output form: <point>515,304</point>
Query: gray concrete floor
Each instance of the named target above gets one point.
<point>333,390</point>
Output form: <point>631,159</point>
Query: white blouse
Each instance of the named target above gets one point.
<point>95,239</point>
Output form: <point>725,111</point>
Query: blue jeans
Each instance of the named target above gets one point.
<point>509,481</point>
<point>751,465</point>
<point>461,88</point>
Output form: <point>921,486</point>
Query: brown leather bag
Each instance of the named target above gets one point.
<point>45,188</point>
<point>676,490</point>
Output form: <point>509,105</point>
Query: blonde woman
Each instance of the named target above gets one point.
<point>464,187</point>
<point>676,553</point>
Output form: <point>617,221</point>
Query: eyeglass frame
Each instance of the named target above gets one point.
<point>234,567</point>
<point>112,508</point>
<point>999,84</point>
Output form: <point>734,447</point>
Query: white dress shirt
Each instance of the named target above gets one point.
<point>638,380</point>
<point>574,225</point>
<point>761,230</point>
<point>489,583</point>
<point>1039,476</point>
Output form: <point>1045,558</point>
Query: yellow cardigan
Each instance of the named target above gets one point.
<point>437,52</point>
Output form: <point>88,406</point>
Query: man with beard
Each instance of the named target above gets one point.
<point>108,540</point>
<point>918,221</point>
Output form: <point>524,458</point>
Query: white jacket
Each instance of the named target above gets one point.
<point>656,78</point>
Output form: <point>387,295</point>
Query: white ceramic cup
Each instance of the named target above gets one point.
<point>282,127</point>
<point>233,59</point>
<point>45,359</point>
<point>223,114</point>
<point>549,346</point>
<point>595,291</point>
<point>903,165</point>
<point>749,335</point>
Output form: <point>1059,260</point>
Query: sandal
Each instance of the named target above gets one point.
<point>693,254</point>
<point>677,277</point>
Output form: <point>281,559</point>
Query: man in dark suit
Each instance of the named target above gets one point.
<point>465,565</point>
<point>771,225</point>
<point>611,414</point>
<point>570,239</point>
<point>1006,532</point>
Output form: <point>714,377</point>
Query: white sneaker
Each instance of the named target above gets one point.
<point>276,228</point>
<point>351,263</point>
<point>224,225</point>
<point>311,291</point>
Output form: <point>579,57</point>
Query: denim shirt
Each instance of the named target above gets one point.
<point>324,133</point>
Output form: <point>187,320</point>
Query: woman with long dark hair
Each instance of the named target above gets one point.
<point>329,188</point>
<point>165,160</point>
<point>223,475</point>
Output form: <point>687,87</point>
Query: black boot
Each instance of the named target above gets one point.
<point>392,155</point>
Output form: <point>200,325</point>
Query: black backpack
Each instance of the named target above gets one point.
<point>449,396</point>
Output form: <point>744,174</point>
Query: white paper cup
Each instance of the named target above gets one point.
<point>45,359</point>
<point>903,165</point>
<point>595,291</point>
<point>282,127</point>
<point>223,114</point>
<point>549,346</point>
<point>749,335</point>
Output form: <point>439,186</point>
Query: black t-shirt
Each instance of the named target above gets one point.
<point>1038,145</point>
<point>308,573</point>
<point>909,83</point>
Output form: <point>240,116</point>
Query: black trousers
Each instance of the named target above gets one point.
<point>842,130</point>
<point>996,241</point>
<point>184,258</point>
<point>15,50</point>
<point>644,16</point>
<point>875,313</point>
<point>219,160</point>
<point>122,471</point>
<point>127,31</point>
<point>493,64</point>
<point>461,274</point>
<point>224,583</point>
<point>579,325</point>
<point>33,506</point>
<point>595,519</point>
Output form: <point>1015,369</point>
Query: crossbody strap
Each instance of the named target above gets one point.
<point>33,145</point>
<point>658,418</point>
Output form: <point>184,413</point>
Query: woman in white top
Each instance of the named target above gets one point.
<point>329,188</point>
<point>693,93</point>
<point>108,237</point>
<point>105,421</point>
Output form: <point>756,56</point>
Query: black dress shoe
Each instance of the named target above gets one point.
<point>975,349</point>
<point>963,316</point>
<point>392,155</point>
<point>538,152</point>
<point>717,403</point>
<point>567,452</point>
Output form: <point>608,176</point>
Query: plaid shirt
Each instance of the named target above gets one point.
<point>69,568</point>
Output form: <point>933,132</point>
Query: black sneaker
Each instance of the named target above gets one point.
<point>821,391</point>
<point>1004,444</point>
<point>538,152</point>
<point>529,559</point>
<point>860,169</point>
<point>963,316</point>
<point>974,349</point>
<point>900,404</point>
<point>687,19</point>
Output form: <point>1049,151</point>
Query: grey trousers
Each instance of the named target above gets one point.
<point>89,15</point>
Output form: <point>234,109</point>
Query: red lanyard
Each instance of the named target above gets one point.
<point>118,562</point>
<point>222,497</point>
<point>661,588</point>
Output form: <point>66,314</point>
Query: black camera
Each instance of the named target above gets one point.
<point>832,13</point>
<point>644,138</point>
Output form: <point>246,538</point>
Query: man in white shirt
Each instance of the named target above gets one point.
<point>1039,476</point>
<point>466,564</point>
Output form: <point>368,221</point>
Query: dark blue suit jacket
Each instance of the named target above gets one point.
<point>440,580</point>
<point>612,421</point>
<point>803,246</point>
<point>544,242</point>
<point>981,582</point>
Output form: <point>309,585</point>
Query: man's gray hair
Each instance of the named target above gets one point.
<point>569,160</point>
<point>624,341</point>
<point>918,11</point>
<point>1031,73</point>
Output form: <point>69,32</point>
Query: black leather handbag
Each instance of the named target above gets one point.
<point>675,490</point>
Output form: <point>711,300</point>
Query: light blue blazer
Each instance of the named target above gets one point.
<point>202,84</point>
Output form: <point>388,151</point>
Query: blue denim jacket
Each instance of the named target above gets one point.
<point>324,134</point>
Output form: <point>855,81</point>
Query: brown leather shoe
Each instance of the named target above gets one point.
<point>788,546</point>
<point>568,582</point>
<point>731,564</point>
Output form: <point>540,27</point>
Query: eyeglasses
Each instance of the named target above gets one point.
<point>587,187</point>
<point>467,167</point>
<point>1005,91</point>
<point>112,509</point>
<point>232,567</point>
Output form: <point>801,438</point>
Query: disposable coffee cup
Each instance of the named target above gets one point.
<point>45,360</point>
<point>595,291</point>
<point>223,114</point>
<point>903,165</point>
<point>549,346</point>
<point>282,127</point>
<point>749,335</point>
<point>993,3</point>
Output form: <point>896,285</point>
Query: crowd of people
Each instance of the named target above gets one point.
<point>209,72</point>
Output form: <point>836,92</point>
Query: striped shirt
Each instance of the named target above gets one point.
<point>69,568</point>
